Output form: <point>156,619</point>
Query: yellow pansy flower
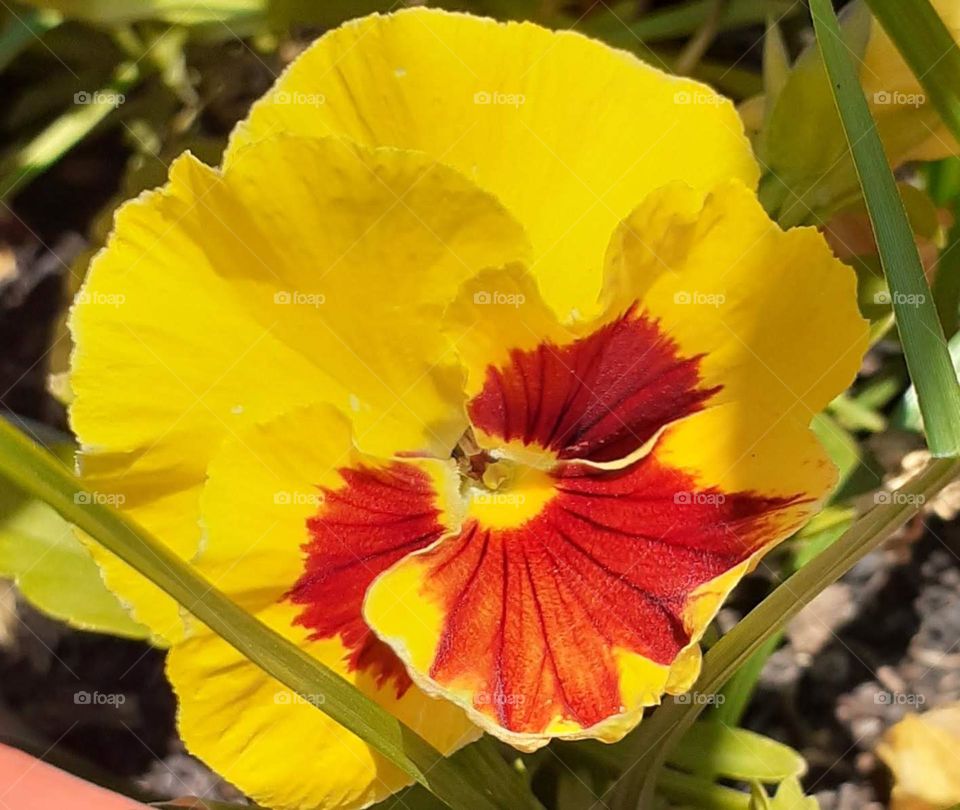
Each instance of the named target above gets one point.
<point>477,371</point>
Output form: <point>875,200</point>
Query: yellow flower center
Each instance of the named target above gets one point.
<point>508,494</point>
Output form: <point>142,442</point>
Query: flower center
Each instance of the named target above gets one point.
<point>500,493</point>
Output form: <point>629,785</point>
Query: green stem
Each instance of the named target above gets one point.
<point>704,36</point>
<point>651,743</point>
<point>738,691</point>
<point>924,344</point>
<point>476,777</point>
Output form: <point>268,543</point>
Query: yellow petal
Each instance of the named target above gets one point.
<point>158,487</point>
<point>375,243</point>
<point>279,748</point>
<point>772,314</point>
<point>310,270</point>
<point>264,487</point>
<point>162,369</point>
<point>567,132</point>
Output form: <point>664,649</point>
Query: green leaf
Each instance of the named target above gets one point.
<point>475,777</point>
<point>908,414</point>
<point>53,571</point>
<point>790,796</point>
<point>759,800</point>
<point>181,12</point>
<point>921,211</point>
<point>924,345</point>
<point>943,181</point>
<point>693,792</point>
<point>929,49</point>
<point>880,390</point>
<point>415,797</point>
<point>821,533</point>
<point>738,691</point>
<point>575,789</point>
<point>852,415</point>
<point>844,452</point>
<point>802,145</point>
<point>818,535</point>
<point>650,745</point>
<point>711,749</point>
<point>776,62</point>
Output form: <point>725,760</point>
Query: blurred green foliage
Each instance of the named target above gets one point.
<point>41,553</point>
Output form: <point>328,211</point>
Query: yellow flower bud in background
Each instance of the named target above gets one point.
<point>909,125</point>
<point>920,750</point>
<point>797,134</point>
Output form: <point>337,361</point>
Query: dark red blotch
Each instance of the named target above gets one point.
<point>377,517</point>
<point>598,398</point>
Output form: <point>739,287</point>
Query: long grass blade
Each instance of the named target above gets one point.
<point>921,334</point>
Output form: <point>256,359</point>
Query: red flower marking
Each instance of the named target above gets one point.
<point>598,398</point>
<point>377,517</point>
<point>533,613</point>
